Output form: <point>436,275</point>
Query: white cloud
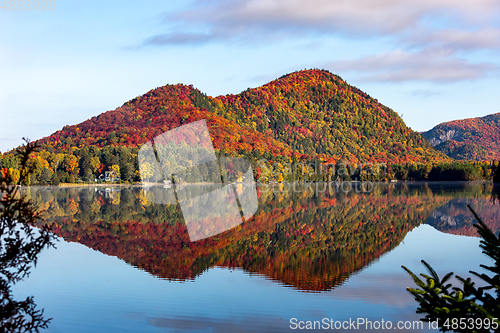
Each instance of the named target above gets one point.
<point>428,65</point>
<point>485,38</point>
<point>428,34</point>
<point>230,19</point>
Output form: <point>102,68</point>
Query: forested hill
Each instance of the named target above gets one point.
<point>315,111</point>
<point>468,139</point>
<point>156,112</point>
<point>310,113</point>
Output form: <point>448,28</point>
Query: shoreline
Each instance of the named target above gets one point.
<point>407,182</point>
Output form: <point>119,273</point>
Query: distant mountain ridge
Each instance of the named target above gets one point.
<point>306,114</point>
<point>468,139</point>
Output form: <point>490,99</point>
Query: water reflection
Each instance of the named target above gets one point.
<point>307,239</point>
<point>495,195</point>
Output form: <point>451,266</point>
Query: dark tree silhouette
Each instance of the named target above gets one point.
<point>20,245</point>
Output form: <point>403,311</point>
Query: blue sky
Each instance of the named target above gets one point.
<point>429,60</point>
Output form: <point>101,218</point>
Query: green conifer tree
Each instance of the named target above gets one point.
<point>467,308</point>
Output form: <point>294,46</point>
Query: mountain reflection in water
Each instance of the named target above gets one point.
<point>307,239</point>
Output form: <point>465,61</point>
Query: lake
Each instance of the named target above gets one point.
<point>312,252</point>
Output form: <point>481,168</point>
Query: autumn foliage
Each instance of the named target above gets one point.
<point>307,113</point>
<point>475,139</point>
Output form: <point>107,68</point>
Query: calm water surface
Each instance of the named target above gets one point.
<point>123,264</point>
